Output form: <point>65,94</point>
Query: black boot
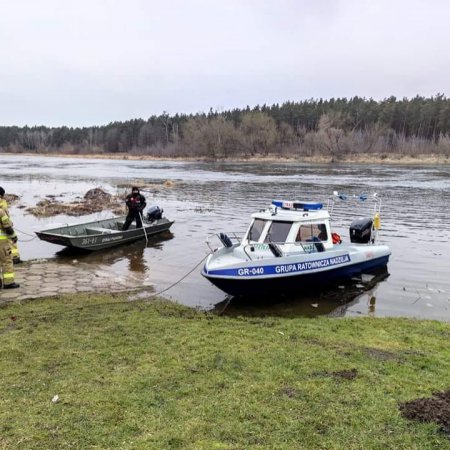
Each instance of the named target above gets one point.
<point>17,260</point>
<point>11,286</point>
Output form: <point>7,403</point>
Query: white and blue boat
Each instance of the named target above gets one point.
<point>291,245</point>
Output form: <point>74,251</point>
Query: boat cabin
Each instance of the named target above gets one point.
<point>291,226</point>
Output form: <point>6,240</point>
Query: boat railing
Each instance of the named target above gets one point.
<point>226,239</point>
<point>374,199</point>
<point>356,198</point>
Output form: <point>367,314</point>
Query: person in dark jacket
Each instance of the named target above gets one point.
<point>135,203</point>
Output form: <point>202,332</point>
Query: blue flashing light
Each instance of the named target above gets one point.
<point>305,206</point>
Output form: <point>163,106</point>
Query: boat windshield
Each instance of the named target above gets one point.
<point>256,229</point>
<point>278,232</point>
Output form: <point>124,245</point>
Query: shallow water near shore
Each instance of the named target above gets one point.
<point>208,198</point>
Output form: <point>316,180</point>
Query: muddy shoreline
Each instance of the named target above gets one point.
<point>348,159</point>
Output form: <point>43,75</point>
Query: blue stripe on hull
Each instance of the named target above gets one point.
<point>292,284</point>
<point>305,266</point>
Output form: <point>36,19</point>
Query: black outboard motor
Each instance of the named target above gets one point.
<point>361,230</point>
<point>154,213</point>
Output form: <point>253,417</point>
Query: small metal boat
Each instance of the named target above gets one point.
<point>106,233</point>
<point>291,245</point>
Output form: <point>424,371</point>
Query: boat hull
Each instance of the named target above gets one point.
<point>74,236</point>
<point>290,283</point>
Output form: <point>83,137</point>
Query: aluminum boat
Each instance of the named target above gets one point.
<point>101,234</point>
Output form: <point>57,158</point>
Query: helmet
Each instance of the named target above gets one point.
<point>2,191</point>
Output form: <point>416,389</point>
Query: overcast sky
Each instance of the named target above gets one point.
<point>90,62</point>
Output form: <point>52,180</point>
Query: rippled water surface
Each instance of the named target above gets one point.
<point>211,197</point>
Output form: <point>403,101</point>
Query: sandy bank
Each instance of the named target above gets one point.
<point>347,159</point>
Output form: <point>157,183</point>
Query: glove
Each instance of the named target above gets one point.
<point>14,239</point>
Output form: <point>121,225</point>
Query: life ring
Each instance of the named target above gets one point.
<point>336,238</point>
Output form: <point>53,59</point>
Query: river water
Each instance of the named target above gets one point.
<point>208,198</point>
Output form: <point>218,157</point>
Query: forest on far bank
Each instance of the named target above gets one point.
<point>335,128</point>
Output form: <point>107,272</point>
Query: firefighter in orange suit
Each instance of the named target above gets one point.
<point>14,249</point>
<point>6,260</point>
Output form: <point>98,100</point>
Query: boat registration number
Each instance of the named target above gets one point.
<point>251,271</point>
<point>89,241</point>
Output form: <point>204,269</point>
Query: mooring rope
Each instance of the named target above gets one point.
<point>101,305</point>
<point>26,234</point>
<point>179,281</point>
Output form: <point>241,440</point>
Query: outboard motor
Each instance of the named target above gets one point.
<point>154,213</point>
<point>361,230</point>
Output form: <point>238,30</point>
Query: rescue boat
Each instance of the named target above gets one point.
<point>291,245</point>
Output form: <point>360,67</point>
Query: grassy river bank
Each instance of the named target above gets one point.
<point>99,371</point>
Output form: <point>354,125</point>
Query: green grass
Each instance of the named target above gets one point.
<point>161,376</point>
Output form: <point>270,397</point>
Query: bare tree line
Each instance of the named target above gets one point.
<point>334,128</point>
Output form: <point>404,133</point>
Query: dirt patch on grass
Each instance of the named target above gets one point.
<point>345,374</point>
<point>350,374</point>
<point>434,409</point>
<point>95,200</point>
<point>289,391</point>
<point>382,355</point>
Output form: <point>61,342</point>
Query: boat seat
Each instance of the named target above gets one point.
<point>275,249</point>
<point>99,230</point>
<point>226,241</point>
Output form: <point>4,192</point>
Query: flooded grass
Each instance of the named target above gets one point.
<point>101,371</point>
<point>12,198</point>
<point>142,184</point>
<point>95,200</point>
